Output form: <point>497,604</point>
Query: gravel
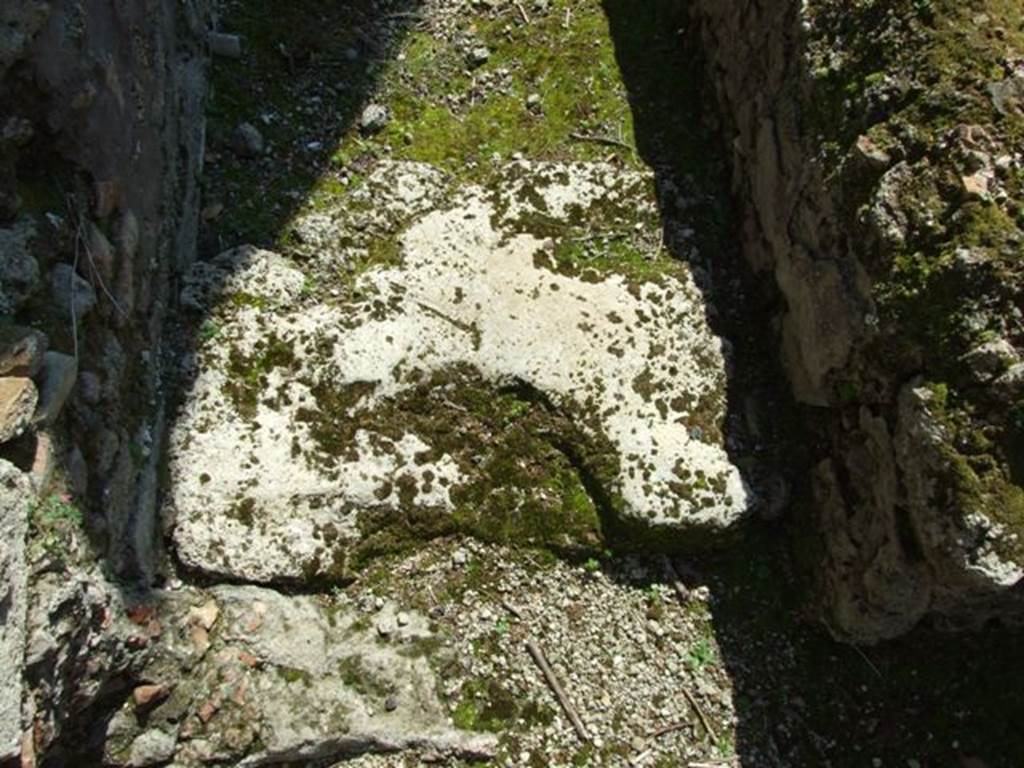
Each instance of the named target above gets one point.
<point>620,641</point>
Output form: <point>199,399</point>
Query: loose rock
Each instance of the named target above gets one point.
<point>70,292</point>
<point>145,695</point>
<point>249,141</point>
<point>152,748</point>
<point>373,119</point>
<point>223,44</point>
<point>479,56</point>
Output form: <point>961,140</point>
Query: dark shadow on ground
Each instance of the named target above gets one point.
<point>801,698</point>
<point>305,75</point>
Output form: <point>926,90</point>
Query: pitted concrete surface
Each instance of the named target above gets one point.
<point>480,280</point>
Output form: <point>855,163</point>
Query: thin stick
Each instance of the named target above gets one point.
<point>522,12</point>
<point>511,609</point>
<point>677,583</point>
<point>549,675</point>
<point>668,729</point>
<point>854,647</point>
<point>99,279</point>
<point>867,661</point>
<point>606,140</point>
<point>454,406</point>
<point>700,713</point>
<point>601,236</point>
<point>80,238</point>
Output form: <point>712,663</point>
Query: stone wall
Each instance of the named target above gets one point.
<point>101,142</point>
<point>883,196</point>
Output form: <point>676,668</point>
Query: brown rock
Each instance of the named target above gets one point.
<point>21,351</point>
<point>28,749</point>
<point>101,253</point>
<point>108,197</point>
<point>249,659</point>
<point>18,398</point>
<point>141,614</point>
<point>128,236</point>
<point>870,155</point>
<point>147,695</point>
<point>200,639</point>
<point>975,186</point>
<point>44,460</point>
<point>204,615</point>
<point>239,691</point>
<point>208,709</point>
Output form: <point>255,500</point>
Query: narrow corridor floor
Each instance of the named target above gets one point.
<point>452,320</point>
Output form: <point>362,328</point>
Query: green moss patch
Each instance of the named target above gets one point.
<point>521,485</point>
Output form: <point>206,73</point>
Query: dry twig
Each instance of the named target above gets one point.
<point>512,609</point>
<point>859,652</point>
<point>668,729</point>
<point>606,140</point>
<point>677,583</point>
<point>700,713</point>
<point>522,12</point>
<point>549,675</point>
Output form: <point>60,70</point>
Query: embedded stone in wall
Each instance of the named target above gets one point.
<point>18,398</point>
<point>21,351</point>
<point>19,272</point>
<point>275,679</point>
<point>15,496</point>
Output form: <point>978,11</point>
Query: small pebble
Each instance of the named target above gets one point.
<point>479,55</point>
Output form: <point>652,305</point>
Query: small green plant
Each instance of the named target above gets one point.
<point>53,521</point>
<point>502,626</point>
<point>924,9</point>
<point>700,655</point>
<point>724,747</point>
<point>592,565</point>
<point>655,605</point>
<point>209,331</point>
<point>308,286</point>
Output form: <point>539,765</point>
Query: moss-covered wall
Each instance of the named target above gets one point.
<point>100,158</point>
<point>101,142</point>
<point>876,152</point>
